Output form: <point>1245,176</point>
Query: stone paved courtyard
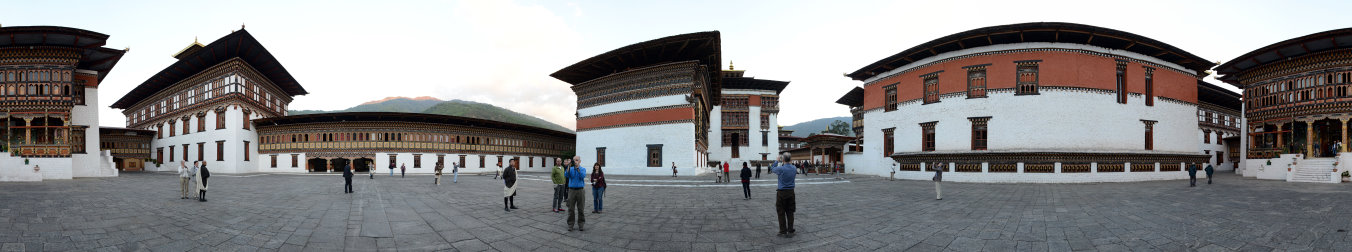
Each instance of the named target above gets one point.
<point>141,211</point>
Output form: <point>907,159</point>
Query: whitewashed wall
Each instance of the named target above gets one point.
<point>234,136</point>
<point>627,147</point>
<point>753,150</point>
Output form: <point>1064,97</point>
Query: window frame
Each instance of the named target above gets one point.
<point>980,133</point>
<point>927,136</point>
<point>977,81</point>
<point>654,155</point>
<point>890,92</point>
<point>930,87</point>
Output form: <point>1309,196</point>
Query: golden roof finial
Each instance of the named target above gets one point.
<point>194,40</point>
<point>730,67</point>
<point>128,49</point>
<point>241,25</point>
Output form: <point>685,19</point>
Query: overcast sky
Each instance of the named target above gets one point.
<point>502,52</point>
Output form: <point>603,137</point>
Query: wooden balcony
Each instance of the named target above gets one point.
<point>41,151</point>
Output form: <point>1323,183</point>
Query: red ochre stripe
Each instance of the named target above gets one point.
<point>647,116</point>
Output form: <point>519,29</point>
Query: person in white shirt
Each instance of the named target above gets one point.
<point>184,176</point>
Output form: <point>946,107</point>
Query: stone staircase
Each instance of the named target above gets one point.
<point>1314,170</point>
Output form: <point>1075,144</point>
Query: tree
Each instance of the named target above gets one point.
<point>839,127</point>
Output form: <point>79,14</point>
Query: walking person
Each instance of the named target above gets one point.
<point>402,168</point>
<point>574,176</point>
<point>758,170</point>
<point>509,195</point>
<point>455,172</point>
<point>938,177</point>
<point>784,197</point>
<point>1192,175</point>
<point>673,169</point>
<point>556,175</point>
<point>391,169</point>
<point>746,180</point>
<point>201,178</point>
<point>893,176</point>
<point>184,178</point>
<point>498,172</point>
<point>1209,171</point>
<point>347,179</point>
<point>598,180</point>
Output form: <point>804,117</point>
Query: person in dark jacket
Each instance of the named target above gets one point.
<point>347,179</point>
<point>938,177</point>
<point>509,194</point>
<point>598,180</point>
<point>746,180</point>
<point>202,175</point>
<point>1192,175</point>
<point>758,170</point>
<point>1209,171</point>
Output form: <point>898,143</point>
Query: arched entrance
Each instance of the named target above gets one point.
<point>362,164</point>
<point>1327,134</point>
<point>317,165</point>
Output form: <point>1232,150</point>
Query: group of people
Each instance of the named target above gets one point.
<point>455,173</point>
<point>819,167</point>
<point>570,178</point>
<point>195,174</point>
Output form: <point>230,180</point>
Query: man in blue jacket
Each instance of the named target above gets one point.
<point>784,197</point>
<point>575,175</point>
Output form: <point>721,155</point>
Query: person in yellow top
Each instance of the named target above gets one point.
<point>557,177</point>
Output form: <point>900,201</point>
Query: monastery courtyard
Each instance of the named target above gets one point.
<point>142,211</point>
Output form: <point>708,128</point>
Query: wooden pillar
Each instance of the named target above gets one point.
<point>1282,145</point>
<point>1309,139</point>
<point>1343,136</point>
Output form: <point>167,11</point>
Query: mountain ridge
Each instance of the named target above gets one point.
<point>454,107</point>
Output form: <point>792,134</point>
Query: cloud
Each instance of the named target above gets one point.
<point>505,57</point>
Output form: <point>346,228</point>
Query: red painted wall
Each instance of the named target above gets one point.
<point>647,116</point>
<point>1070,69</point>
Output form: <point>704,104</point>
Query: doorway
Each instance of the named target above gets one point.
<point>317,165</point>
<point>362,164</point>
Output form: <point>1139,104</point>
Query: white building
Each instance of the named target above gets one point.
<point>1032,102</point>
<point>745,124</point>
<point>202,105</point>
<point>49,79</point>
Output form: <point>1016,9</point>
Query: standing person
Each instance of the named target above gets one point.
<point>746,180</point>
<point>598,180</point>
<point>758,170</point>
<point>1192,175</point>
<point>556,175</point>
<point>718,175</point>
<point>498,171</point>
<point>202,175</point>
<point>575,196</point>
<point>370,171</point>
<point>184,176</point>
<point>727,175</point>
<point>347,179</point>
<point>509,196</point>
<point>391,169</point>
<point>1209,171</point>
<point>784,197</point>
<point>402,168</point>
<point>673,169</point>
<point>893,176</point>
<point>938,177</point>
<point>455,172</point>
<point>437,180</point>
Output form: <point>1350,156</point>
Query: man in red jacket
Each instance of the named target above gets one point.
<point>727,176</point>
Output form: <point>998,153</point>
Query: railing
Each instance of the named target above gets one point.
<point>1265,153</point>
<point>42,151</point>
<point>1111,167</point>
<point>1142,167</point>
<point>1075,168</point>
<point>1039,168</point>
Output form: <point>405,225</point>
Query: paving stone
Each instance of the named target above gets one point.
<point>141,211</point>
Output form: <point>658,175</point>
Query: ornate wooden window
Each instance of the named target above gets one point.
<point>765,120</point>
<point>891,91</point>
<point>274,160</point>
<point>976,81</point>
<point>600,156</point>
<point>1206,136</point>
<point>171,127</point>
<point>295,158</point>
<point>765,138</point>
<point>481,161</point>
<point>462,161</point>
<point>77,139</point>
<point>159,131</point>
<point>393,160</point>
<point>1149,134</point>
<point>1220,157</point>
<point>201,148</point>
<point>78,94</point>
<point>888,141</point>
<point>246,119</point>
<point>186,125</point>
<point>417,160</point>
<point>171,154</point>
<point>220,119</point>
<point>220,150</point>
<point>1149,86</point>
<point>654,155</point>
<point>979,132</point>
<point>1027,77</point>
<point>201,122</point>
<point>1122,81</point>
<point>246,151</point>
<point>159,153</point>
<point>927,136</point>
<point>185,152</point>
<point>931,87</point>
